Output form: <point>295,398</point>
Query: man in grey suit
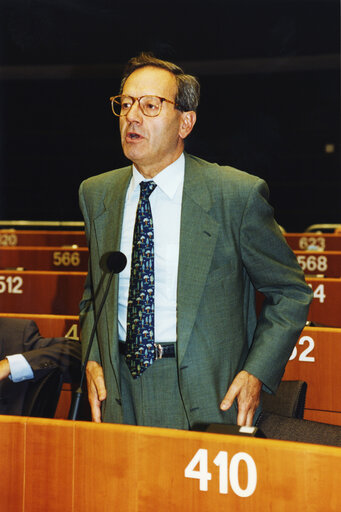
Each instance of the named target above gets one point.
<point>215,243</point>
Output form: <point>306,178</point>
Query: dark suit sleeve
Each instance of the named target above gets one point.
<point>274,271</point>
<point>43,354</point>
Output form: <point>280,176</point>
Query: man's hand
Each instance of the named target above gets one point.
<point>96,389</point>
<point>4,369</point>
<point>246,388</point>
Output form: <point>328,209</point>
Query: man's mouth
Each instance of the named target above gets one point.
<point>133,136</point>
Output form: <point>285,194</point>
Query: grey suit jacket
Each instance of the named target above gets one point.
<point>230,246</point>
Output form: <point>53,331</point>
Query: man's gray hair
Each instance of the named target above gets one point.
<point>188,93</point>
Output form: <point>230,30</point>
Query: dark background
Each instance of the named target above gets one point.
<point>270,75</point>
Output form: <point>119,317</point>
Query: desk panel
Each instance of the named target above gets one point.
<point>17,237</point>
<point>316,360</point>
<point>44,258</point>
<point>325,308</point>
<point>320,264</point>
<point>12,463</point>
<point>322,242</point>
<point>55,293</point>
<point>52,449</point>
<point>80,466</point>
<point>333,418</point>
<point>52,326</point>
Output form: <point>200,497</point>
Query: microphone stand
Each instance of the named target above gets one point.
<point>73,412</point>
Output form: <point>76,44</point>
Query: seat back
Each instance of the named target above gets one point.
<point>42,396</point>
<point>275,426</point>
<point>288,401</point>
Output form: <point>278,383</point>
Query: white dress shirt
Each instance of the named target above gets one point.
<point>20,368</point>
<point>165,202</point>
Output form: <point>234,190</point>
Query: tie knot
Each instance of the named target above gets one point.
<point>147,188</point>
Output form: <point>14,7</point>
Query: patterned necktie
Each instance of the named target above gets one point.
<point>140,351</point>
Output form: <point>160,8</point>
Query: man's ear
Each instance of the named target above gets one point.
<point>188,120</point>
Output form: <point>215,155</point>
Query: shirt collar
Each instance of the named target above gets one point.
<point>167,180</point>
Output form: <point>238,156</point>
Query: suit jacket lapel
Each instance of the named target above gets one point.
<point>198,234</point>
<point>108,224</point>
<point>108,227</point>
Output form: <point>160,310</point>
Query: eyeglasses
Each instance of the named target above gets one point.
<point>150,105</point>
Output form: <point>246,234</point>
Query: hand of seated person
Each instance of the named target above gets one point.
<point>4,369</point>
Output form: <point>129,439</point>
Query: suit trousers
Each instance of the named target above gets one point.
<point>154,398</point>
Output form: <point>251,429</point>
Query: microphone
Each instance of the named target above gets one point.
<point>113,263</point>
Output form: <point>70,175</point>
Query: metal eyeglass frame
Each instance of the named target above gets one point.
<point>113,98</point>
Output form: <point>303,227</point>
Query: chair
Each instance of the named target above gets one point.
<point>42,396</point>
<point>322,228</point>
<point>282,417</point>
<point>289,400</point>
<point>275,426</point>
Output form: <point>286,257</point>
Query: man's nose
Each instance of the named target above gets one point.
<point>134,113</point>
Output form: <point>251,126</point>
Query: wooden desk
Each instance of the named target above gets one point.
<point>52,326</point>
<point>323,264</point>
<point>316,360</point>
<point>55,293</point>
<point>44,258</point>
<point>325,241</point>
<point>54,465</point>
<point>15,237</point>
<point>326,305</point>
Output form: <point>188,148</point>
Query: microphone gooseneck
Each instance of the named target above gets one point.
<point>113,262</point>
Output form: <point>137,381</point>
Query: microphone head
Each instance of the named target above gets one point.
<point>114,261</point>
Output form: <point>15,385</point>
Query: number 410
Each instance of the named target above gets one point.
<point>226,472</point>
